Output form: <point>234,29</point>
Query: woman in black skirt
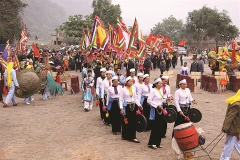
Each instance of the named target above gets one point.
<point>182,100</point>
<point>145,91</point>
<point>113,105</point>
<point>128,109</point>
<point>156,115</point>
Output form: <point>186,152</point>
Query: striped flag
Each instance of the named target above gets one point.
<point>137,42</point>
<point>5,55</point>
<point>121,39</point>
<point>100,37</point>
<point>125,31</point>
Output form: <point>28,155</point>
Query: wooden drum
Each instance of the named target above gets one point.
<point>186,136</point>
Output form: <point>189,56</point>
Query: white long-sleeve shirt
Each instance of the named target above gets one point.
<point>135,81</point>
<point>13,76</point>
<point>182,97</point>
<point>99,84</point>
<point>145,90</point>
<point>111,94</point>
<point>106,84</point>
<point>155,98</point>
<point>126,96</point>
<point>167,94</point>
<point>138,87</point>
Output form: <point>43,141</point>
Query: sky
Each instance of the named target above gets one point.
<point>150,12</point>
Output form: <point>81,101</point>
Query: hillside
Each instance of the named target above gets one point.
<point>73,7</point>
<point>42,17</point>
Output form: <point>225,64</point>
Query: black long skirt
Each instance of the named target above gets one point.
<point>103,113</point>
<point>129,130</point>
<point>115,117</point>
<point>157,131</point>
<point>146,112</point>
<point>101,110</point>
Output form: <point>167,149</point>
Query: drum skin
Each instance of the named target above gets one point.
<point>186,136</point>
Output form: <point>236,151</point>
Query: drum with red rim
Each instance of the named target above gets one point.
<point>186,136</point>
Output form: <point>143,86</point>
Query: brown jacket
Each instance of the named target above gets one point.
<point>232,119</point>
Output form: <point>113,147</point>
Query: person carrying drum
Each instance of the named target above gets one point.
<point>130,105</point>
<point>182,100</point>
<point>156,115</point>
<point>11,82</point>
<point>231,126</point>
<point>166,91</point>
<point>145,91</point>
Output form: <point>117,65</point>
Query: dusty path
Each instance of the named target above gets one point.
<point>59,129</point>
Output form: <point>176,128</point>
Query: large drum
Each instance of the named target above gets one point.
<point>186,136</point>
<point>29,83</point>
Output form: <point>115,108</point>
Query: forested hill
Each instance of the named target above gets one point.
<point>42,17</point>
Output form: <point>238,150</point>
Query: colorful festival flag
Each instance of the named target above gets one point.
<point>100,37</point>
<point>137,42</point>
<point>5,55</point>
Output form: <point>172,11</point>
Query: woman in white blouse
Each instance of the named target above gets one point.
<point>156,115</point>
<point>99,91</point>
<point>182,100</point>
<point>145,91</point>
<point>114,101</point>
<point>130,105</point>
<point>107,82</point>
<point>139,85</point>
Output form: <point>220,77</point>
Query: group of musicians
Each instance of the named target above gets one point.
<point>121,98</point>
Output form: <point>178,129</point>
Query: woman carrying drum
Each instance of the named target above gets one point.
<point>130,105</point>
<point>166,91</point>
<point>156,115</point>
<point>145,91</point>
<point>182,100</point>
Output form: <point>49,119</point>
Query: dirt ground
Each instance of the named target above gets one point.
<point>59,129</point>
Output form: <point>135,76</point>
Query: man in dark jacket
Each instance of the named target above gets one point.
<point>77,61</point>
<point>194,66</point>
<point>147,66</point>
<point>130,65</point>
<point>231,126</point>
<point>97,72</point>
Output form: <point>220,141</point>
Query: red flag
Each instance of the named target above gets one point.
<point>36,51</point>
<point>182,43</point>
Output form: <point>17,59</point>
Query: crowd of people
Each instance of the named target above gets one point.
<point>121,95</point>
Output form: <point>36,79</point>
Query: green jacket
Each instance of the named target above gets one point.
<point>232,119</point>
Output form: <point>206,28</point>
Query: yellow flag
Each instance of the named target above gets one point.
<point>101,34</point>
